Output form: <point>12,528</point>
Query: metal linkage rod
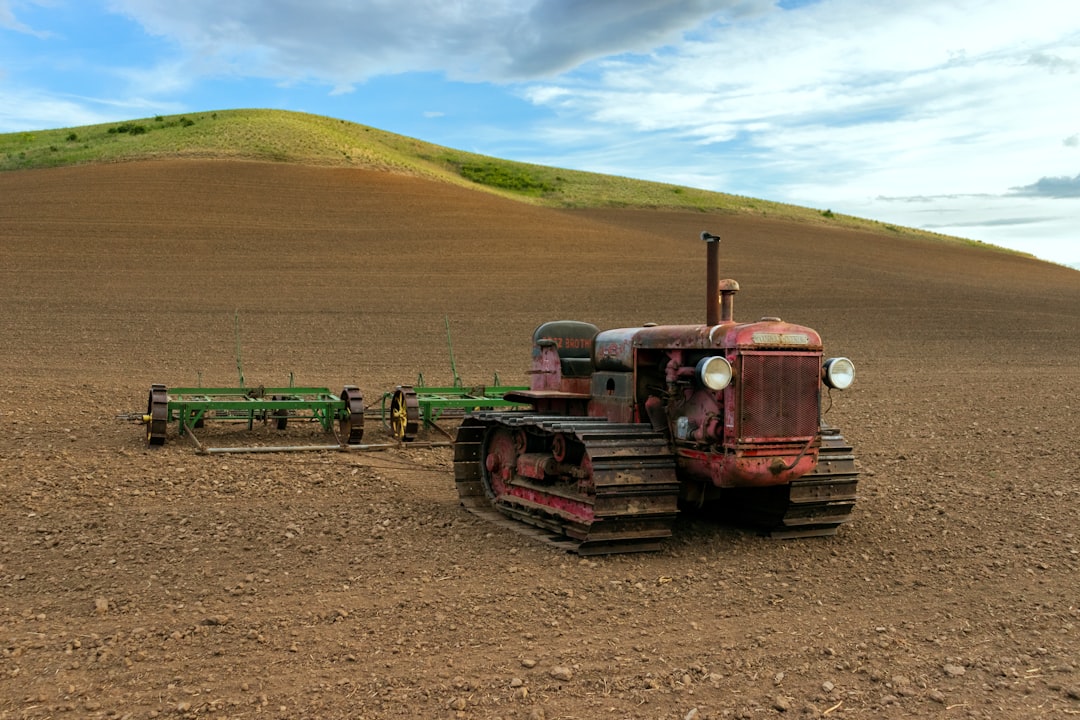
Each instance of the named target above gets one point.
<point>373,447</point>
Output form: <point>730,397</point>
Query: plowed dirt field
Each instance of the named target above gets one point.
<point>158,583</point>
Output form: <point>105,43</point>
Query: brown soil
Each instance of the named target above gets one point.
<point>138,583</point>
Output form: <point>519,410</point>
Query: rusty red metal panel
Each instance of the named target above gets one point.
<point>771,333</point>
<point>749,467</point>
<point>613,397</point>
<point>545,373</point>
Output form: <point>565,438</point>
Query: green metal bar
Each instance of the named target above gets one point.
<point>450,345</point>
<point>243,392</point>
<point>239,361</point>
<point>246,406</point>
<point>479,391</point>
<point>190,405</point>
<point>326,418</point>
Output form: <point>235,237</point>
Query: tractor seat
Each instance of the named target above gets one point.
<point>574,341</point>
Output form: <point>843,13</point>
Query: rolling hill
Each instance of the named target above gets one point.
<point>282,136</point>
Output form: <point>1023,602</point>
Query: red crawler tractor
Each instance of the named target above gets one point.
<point>628,426</point>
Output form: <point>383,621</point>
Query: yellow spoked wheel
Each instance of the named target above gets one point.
<point>404,414</point>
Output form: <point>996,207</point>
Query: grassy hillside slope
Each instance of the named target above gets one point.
<point>281,136</point>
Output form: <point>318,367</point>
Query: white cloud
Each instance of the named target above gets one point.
<point>21,111</point>
<point>8,21</point>
<point>1040,226</point>
<point>159,80</point>
<point>557,35</point>
<point>476,40</point>
<point>1052,187</point>
<point>145,91</point>
<point>920,96</point>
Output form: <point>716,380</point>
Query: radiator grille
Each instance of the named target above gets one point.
<point>779,395</point>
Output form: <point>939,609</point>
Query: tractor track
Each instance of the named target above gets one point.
<point>636,489</point>
<point>634,495</point>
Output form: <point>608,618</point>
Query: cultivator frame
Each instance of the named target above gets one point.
<point>403,410</point>
<point>192,407</point>
<point>406,408</point>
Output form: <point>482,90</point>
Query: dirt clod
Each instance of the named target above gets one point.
<point>561,673</point>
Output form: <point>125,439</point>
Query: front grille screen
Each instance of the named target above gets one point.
<point>779,393</point>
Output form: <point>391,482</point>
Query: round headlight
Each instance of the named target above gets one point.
<point>714,372</point>
<point>839,373</point>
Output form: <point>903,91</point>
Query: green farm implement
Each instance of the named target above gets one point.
<point>192,407</point>
<point>403,410</point>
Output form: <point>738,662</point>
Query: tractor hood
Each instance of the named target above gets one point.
<point>766,334</point>
<point>614,349</point>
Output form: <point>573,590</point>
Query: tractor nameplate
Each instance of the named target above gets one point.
<point>768,338</point>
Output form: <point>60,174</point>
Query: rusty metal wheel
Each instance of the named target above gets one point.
<point>559,447</point>
<point>351,420</point>
<point>566,450</point>
<point>404,413</point>
<point>157,415</point>
<point>498,459</point>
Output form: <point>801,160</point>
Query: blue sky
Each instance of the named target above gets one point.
<point>960,116</point>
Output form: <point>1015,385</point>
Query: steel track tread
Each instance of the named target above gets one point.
<point>633,473</point>
<point>821,501</point>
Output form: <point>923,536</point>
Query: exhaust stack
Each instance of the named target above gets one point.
<point>719,294</point>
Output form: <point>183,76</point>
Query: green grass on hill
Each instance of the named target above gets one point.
<point>282,136</point>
